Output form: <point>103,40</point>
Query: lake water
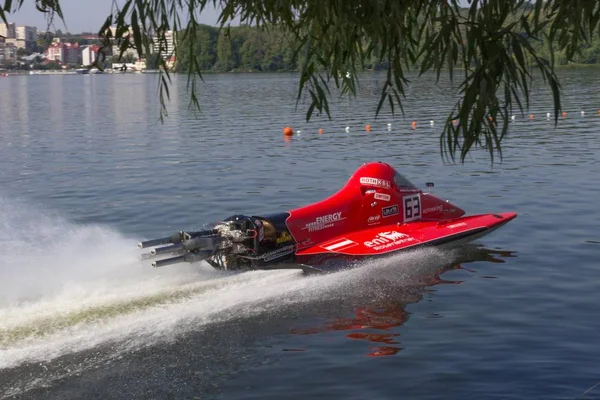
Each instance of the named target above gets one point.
<point>86,171</point>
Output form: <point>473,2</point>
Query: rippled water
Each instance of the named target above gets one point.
<point>86,171</point>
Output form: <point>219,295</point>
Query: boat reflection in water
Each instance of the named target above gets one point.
<point>387,315</point>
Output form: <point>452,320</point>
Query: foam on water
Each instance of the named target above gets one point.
<point>67,288</point>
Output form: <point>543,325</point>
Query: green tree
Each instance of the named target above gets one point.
<point>43,41</point>
<point>52,65</point>
<point>492,46</point>
<point>201,49</point>
<point>225,57</point>
<point>22,51</point>
<point>252,50</point>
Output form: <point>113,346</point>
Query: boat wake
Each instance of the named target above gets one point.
<point>73,289</point>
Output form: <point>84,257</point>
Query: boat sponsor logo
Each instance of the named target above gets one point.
<point>278,253</point>
<point>371,191</point>
<point>457,225</point>
<point>382,183</point>
<point>382,197</point>
<point>324,222</point>
<point>339,244</point>
<point>437,208</point>
<point>384,240</point>
<point>412,207</point>
<point>389,211</point>
<point>284,238</point>
<point>372,220</point>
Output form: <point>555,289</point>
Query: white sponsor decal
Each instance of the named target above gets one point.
<point>389,211</point>
<point>282,251</point>
<point>382,183</point>
<point>326,221</point>
<point>433,209</point>
<point>458,225</point>
<point>383,197</point>
<point>340,245</point>
<point>384,240</point>
<point>373,219</point>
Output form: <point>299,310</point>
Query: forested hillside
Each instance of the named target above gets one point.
<point>245,48</point>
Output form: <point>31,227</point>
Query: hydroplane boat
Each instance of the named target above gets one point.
<point>378,212</point>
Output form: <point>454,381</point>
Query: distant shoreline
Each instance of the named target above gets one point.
<point>4,73</point>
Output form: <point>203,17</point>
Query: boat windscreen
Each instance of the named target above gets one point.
<point>401,182</point>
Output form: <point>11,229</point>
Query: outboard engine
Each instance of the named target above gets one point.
<point>244,234</point>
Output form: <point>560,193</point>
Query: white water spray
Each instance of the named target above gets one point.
<point>68,288</point>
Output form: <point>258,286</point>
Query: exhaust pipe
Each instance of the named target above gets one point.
<point>167,249</point>
<point>174,238</point>
<point>190,258</point>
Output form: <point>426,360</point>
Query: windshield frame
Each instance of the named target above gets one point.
<point>401,183</point>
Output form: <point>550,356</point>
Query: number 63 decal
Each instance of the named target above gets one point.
<point>412,207</point>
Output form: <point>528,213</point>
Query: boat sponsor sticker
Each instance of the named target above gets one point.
<point>389,211</point>
<point>382,197</point>
<point>384,240</point>
<point>374,219</point>
<point>382,183</point>
<point>438,208</point>
<point>412,207</point>
<point>324,222</point>
<point>339,244</point>
<point>278,253</point>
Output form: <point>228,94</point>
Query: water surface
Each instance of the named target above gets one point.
<point>86,171</point>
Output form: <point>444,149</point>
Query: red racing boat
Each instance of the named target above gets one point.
<point>377,213</point>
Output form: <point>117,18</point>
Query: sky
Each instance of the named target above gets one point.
<point>82,15</point>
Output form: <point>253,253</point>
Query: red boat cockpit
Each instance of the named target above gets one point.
<point>375,194</point>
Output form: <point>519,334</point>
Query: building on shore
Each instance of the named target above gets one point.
<point>72,53</point>
<point>26,33</point>
<point>166,46</point>
<point>55,52</point>
<point>63,53</point>
<point>116,44</point>
<point>8,52</point>
<point>8,31</point>
<point>89,55</point>
<point>19,36</point>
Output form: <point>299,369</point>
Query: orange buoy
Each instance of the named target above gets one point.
<point>368,128</point>
<point>531,116</point>
<point>321,131</point>
<point>413,125</point>
<point>287,131</point>
<point>564,114</point>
